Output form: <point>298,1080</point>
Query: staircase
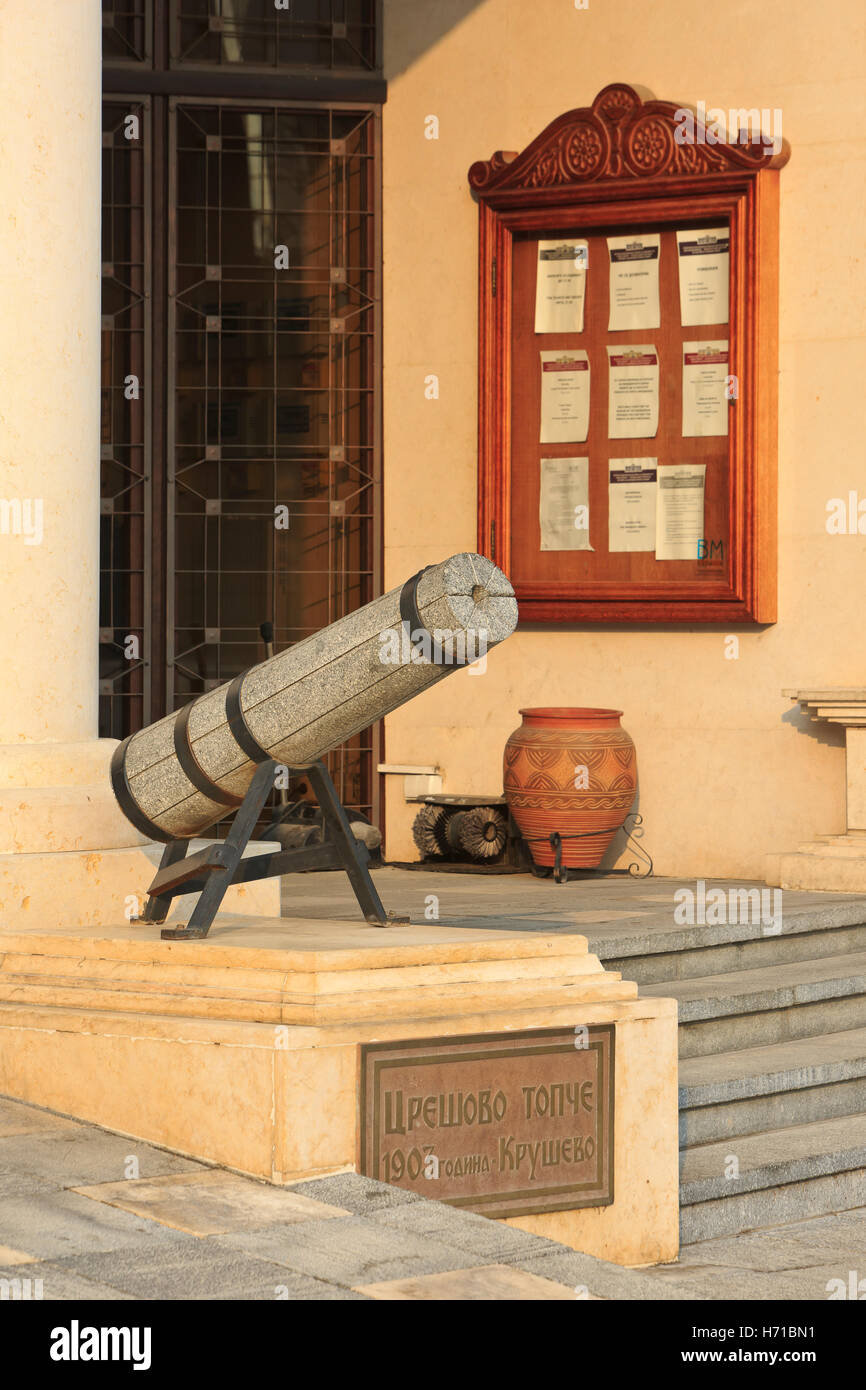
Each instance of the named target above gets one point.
<point>772,1063</point>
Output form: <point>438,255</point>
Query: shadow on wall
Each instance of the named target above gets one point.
<point>833,735</point>
<point>410,30</point>
<point>620,845</point>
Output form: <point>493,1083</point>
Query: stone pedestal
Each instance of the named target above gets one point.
<point>243,1049</point>
<point>834,862</point>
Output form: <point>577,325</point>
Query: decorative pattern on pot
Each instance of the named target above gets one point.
<point>572,771</point>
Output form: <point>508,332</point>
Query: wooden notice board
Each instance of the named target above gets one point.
<point>617,169</point>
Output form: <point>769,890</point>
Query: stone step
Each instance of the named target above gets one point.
<point>772,1056</point>
<point>851,837</point>
<point>755,1008</point>
<point>789,1083</point>
<point>655,954</point>
<point>781,1175</point>
<point>817,870</point>
<point>835,848</point>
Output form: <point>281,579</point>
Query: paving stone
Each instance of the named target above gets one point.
<point>18,1118</point>
<point>594,1278</point>
<point>84,1154</point>
<point>351,1251</point>
<point>774,1251</point>
<point>181,1268</point>
<point>54,1224</point>
<point>210,1202</point>
<point>464,1229</point>
<point>23,1184</point>
<point>10,1256</point>
<point>712,1282</point>
<point>294,1287</point>
<point>834,1225</point>
<point>356,1193</point>
<point>56,1284</point>
<point>490,1283</point>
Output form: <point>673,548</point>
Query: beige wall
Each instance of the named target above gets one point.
<point>725,778</point>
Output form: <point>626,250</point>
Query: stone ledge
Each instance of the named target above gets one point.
<point>416,978</point>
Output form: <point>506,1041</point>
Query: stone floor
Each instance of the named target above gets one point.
<point>614,907</point>
<point>87,1214</point>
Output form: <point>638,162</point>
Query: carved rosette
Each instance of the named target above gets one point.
<point>585,150</point>
<point>649,146</point>
<point>619,136</point>
<point>616,102</point>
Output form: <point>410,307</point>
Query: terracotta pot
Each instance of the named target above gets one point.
<point>571,770</point>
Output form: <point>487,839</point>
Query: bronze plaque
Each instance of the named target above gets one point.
<point>504,1124</point>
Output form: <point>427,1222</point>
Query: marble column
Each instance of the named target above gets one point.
<point>66,852</point>
<point>68,857</point>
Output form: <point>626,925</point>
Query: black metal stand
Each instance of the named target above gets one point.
<point>212,870</point>
<point>633,832</point>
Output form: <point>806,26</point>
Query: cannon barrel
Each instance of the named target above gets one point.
<point>175,778</point>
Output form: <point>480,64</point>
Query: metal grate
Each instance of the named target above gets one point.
<point>124,635</point>
<point>258,388</point>
<point>127,26</point>
<point>323,34</point>
<point>273,435</point>
<point>327,35</point>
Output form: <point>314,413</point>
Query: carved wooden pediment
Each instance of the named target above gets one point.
<point>621,136</point>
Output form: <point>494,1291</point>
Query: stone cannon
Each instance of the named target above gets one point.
<point>181,775</point>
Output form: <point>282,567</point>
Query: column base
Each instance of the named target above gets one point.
<point>93,888</point>
<point>68,855</point>
<point>831,864</point>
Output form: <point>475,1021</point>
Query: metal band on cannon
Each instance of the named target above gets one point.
<point>125,800</point>
<point>187,759</point>
<point>178,777</point>
<point>238,724</point>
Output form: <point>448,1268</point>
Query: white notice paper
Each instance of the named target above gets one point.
<point>633,395</point>
<point>564,397</point>
<point>703,260</point>
<point>634,282</point>
<point>705,403</point>
<point>563,508</point>
<point>680,511</point>
<point>560,286</point>
<point>632,504</point>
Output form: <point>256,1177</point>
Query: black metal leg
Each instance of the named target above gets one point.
<point>232,850</point>
<point>210,871</point>
<point>353,855</point>
<point>156,907</point>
